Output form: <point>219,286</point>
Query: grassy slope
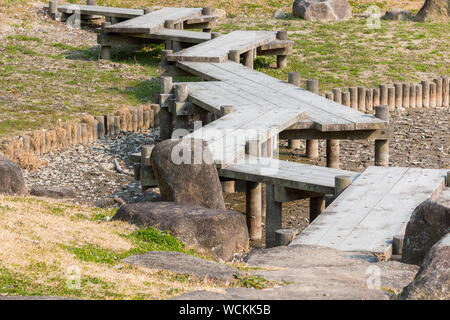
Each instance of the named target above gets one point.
<point>49,73</point>
<point>41,240</point>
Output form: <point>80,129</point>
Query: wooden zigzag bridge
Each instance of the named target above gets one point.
<point>244,113</point>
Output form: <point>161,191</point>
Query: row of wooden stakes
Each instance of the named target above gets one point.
<point>27,148</point>
<point>398,96</point>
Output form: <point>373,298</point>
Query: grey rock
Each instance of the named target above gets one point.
<point>53,192</point>
<point>279,14</point>
<point>181,263</point>
<point>434,10</point>
<point>11,178</point>
<point>186,173</point>
<point>322,10</point>
<point>432,282</point>
<point>397,14</point>
<point>429,222</point>
<point>218,233</point>
<point>318,273</point>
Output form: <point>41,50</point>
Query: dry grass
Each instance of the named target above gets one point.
<point>34,258</point>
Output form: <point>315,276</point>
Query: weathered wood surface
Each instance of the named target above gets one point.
<point>217,49</point>
<point>101,11</point>
<point>154,21</point>
<point>372,210</point>
<point>286,174</point>
<point>327,115</point>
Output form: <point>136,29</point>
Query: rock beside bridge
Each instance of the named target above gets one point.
<point>217,233</point>
<point>186,173</point>
<point>433,279</point>
<point>322,10</point>
<point>434,10</point>
<point>429,222</point>
<point>11,178</point>
<point>181,263</point>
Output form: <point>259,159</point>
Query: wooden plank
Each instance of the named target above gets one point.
<point>326,114</point>
<point>377,206</point>
<point>341,135</point>
<point>174,35</point>
<point>201,19</point>
<point>154,21</point>
<point>392,213</point>
<point>285,173</point>
<point>101,11</point>
<point>217,49</point>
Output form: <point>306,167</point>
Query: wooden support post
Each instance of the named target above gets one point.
<point>100,126</point>
<point>234,55</point>
<point>419,98</point>
<point>438,82</point>
<point>447,182</point>
<point>273,215</point>
<point>253,209</point>
<point>391,98</point>
<point>282,59</point>
<point>146,152</point>
<point>312,146</point>
<point>148,10</point>
<point>398,95</point>
<point>425,93</point>
<point>369,100</point>
<point>382,146</point>
<point>165,84</point>
<point>397,244</point>
<point>284,237</point>
<point>155,109</point>
<point>361,99</point>
<point>412,95</point>
<point>248,59</point>
<point>134,120</point>
<point>169,24</point>
<point>215,35</point>
<point>353,97</point>
<point>84,134</point>
<point>206,11</point>
<point>316,206</point>
<point>405,96</point>
<point>165,123</point>
<point>90,2</point>
<point>294,78</point>
<point>432,95</point>
<point>341,183</point>
<point>333,153</point>
<point>346,98</point>
<point>53,9</point>
<point>164,55</point>
<point>376,98</point>
<point>383,95</point>
<point>118,124</point>
<point>329,95</point>
<point>337,95</point>
<point>445,92</point>
<point>105,51</point>
<point>181,95</point>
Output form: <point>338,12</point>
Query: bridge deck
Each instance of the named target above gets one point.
<point>217,49</point>
<point>124,13</point>
<point>372,210</point>
<point>286,174</point>
<point>154,21</point>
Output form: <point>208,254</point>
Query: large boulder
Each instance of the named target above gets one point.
<point>11,178</point>
<point>433,279</point>
<point>53,192</point>
<point>429,222</point>
<point>186,173</point>
<point>217,233</point>
<point>181,263</point>
<point>434,10</point>
<point>322,10</point>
